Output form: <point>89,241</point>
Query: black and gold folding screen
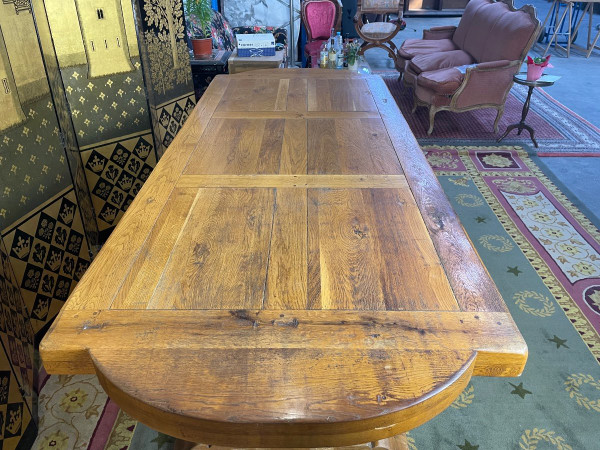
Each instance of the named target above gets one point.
<point>91,94</point>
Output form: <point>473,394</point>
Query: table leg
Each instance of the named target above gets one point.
<point>394,443</point>
<point>522,125</point>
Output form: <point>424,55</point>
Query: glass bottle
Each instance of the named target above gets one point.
<point>332,54</point>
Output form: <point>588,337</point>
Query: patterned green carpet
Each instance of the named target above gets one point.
<point>506,204</point>
<point>544,256</point>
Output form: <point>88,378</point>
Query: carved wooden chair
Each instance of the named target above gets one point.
<point>379,33</point>
<point>318,18</point>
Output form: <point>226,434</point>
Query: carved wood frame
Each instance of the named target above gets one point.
<point>385,42</point>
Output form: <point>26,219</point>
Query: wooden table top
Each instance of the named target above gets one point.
<point>291,274</point>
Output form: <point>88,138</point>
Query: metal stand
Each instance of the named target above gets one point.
<point>522,125</point>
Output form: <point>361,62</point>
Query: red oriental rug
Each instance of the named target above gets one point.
<point>558,130</point>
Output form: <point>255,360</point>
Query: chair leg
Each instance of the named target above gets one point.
<point>498,117</point>
<point>414,108</point>
<point>432,111</point>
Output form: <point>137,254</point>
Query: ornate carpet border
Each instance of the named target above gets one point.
<point>586,331</point>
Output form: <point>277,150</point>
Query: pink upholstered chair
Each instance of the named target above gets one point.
<point>470,66</point>
<point>319,17</point>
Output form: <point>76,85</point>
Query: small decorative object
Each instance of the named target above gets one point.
<point>258,44</point>
<point>201,35</point>
<point>536,67</point>
<point>352,49</point>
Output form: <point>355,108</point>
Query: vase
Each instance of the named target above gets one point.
<point>354,66</point>
<point>202,47</point>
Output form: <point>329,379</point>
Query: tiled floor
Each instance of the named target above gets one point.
<point>578,90</point>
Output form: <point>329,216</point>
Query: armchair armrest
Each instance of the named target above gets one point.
<point>445,32</point>
<point>493,65</point>
<point>486,84</point>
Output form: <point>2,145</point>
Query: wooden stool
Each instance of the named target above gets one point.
<point>393,443</point>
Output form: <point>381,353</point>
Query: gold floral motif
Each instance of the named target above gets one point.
<point>531,438</point>
<point>496,160</point>
<point>55,441</point>
<point>465,398</point>
<point>461,181</point>
<point>584,268</point>
<point>521,298</point>
<point>502,244</point>
<point>73,400</point>
<point>442,159</point>
<point>469,200</point>
<point>573,385</point>
<point>595,298</point>
<point>167,51</point>
<point>516,186</point>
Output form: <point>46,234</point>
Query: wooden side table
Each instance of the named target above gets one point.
<point>521,78</point>
<point>239,64</point>
<point>204,69</point>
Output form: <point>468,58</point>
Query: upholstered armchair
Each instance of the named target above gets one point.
<point>318,18</point>
<point>470,66</point>
<point>379,33</point>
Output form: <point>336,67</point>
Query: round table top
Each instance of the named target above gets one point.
<point>521,78</point>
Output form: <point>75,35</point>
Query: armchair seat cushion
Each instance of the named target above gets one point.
<point>440,60</point>
<point>413,47</point>
<point>442,81</point>
<point>378,30</point>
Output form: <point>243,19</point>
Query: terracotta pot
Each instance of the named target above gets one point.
<point>202,47</point>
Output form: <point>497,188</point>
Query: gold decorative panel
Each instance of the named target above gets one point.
<point>67,33</point>
<point>104,38</point>
<point>12,112</point>
<point>22,48</point>
<point>49,254</point>
<point>171,116</point>
<point>115,172</point>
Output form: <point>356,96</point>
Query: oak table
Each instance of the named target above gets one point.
<point>291,275</point>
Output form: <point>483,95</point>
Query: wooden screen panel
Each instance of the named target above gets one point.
<point>369,250</point>
<point>350,146</point>
<point>339,95</point>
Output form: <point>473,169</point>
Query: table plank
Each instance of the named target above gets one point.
<point>339,95</point>
<point>288,264</point>
<point>490,334</point>
<point>361,262</point>
<point>350,146</point>
<point>220,257</point>
<point>472,285</point>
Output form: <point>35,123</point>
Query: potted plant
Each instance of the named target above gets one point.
<point>352,55</point>
<point>198,15</point>
<point>536,67</point>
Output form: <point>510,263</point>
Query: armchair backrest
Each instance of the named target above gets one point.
<point>320,16</point>
<point>493,30</point>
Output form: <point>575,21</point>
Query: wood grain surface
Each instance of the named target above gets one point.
<point>290,275</point>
